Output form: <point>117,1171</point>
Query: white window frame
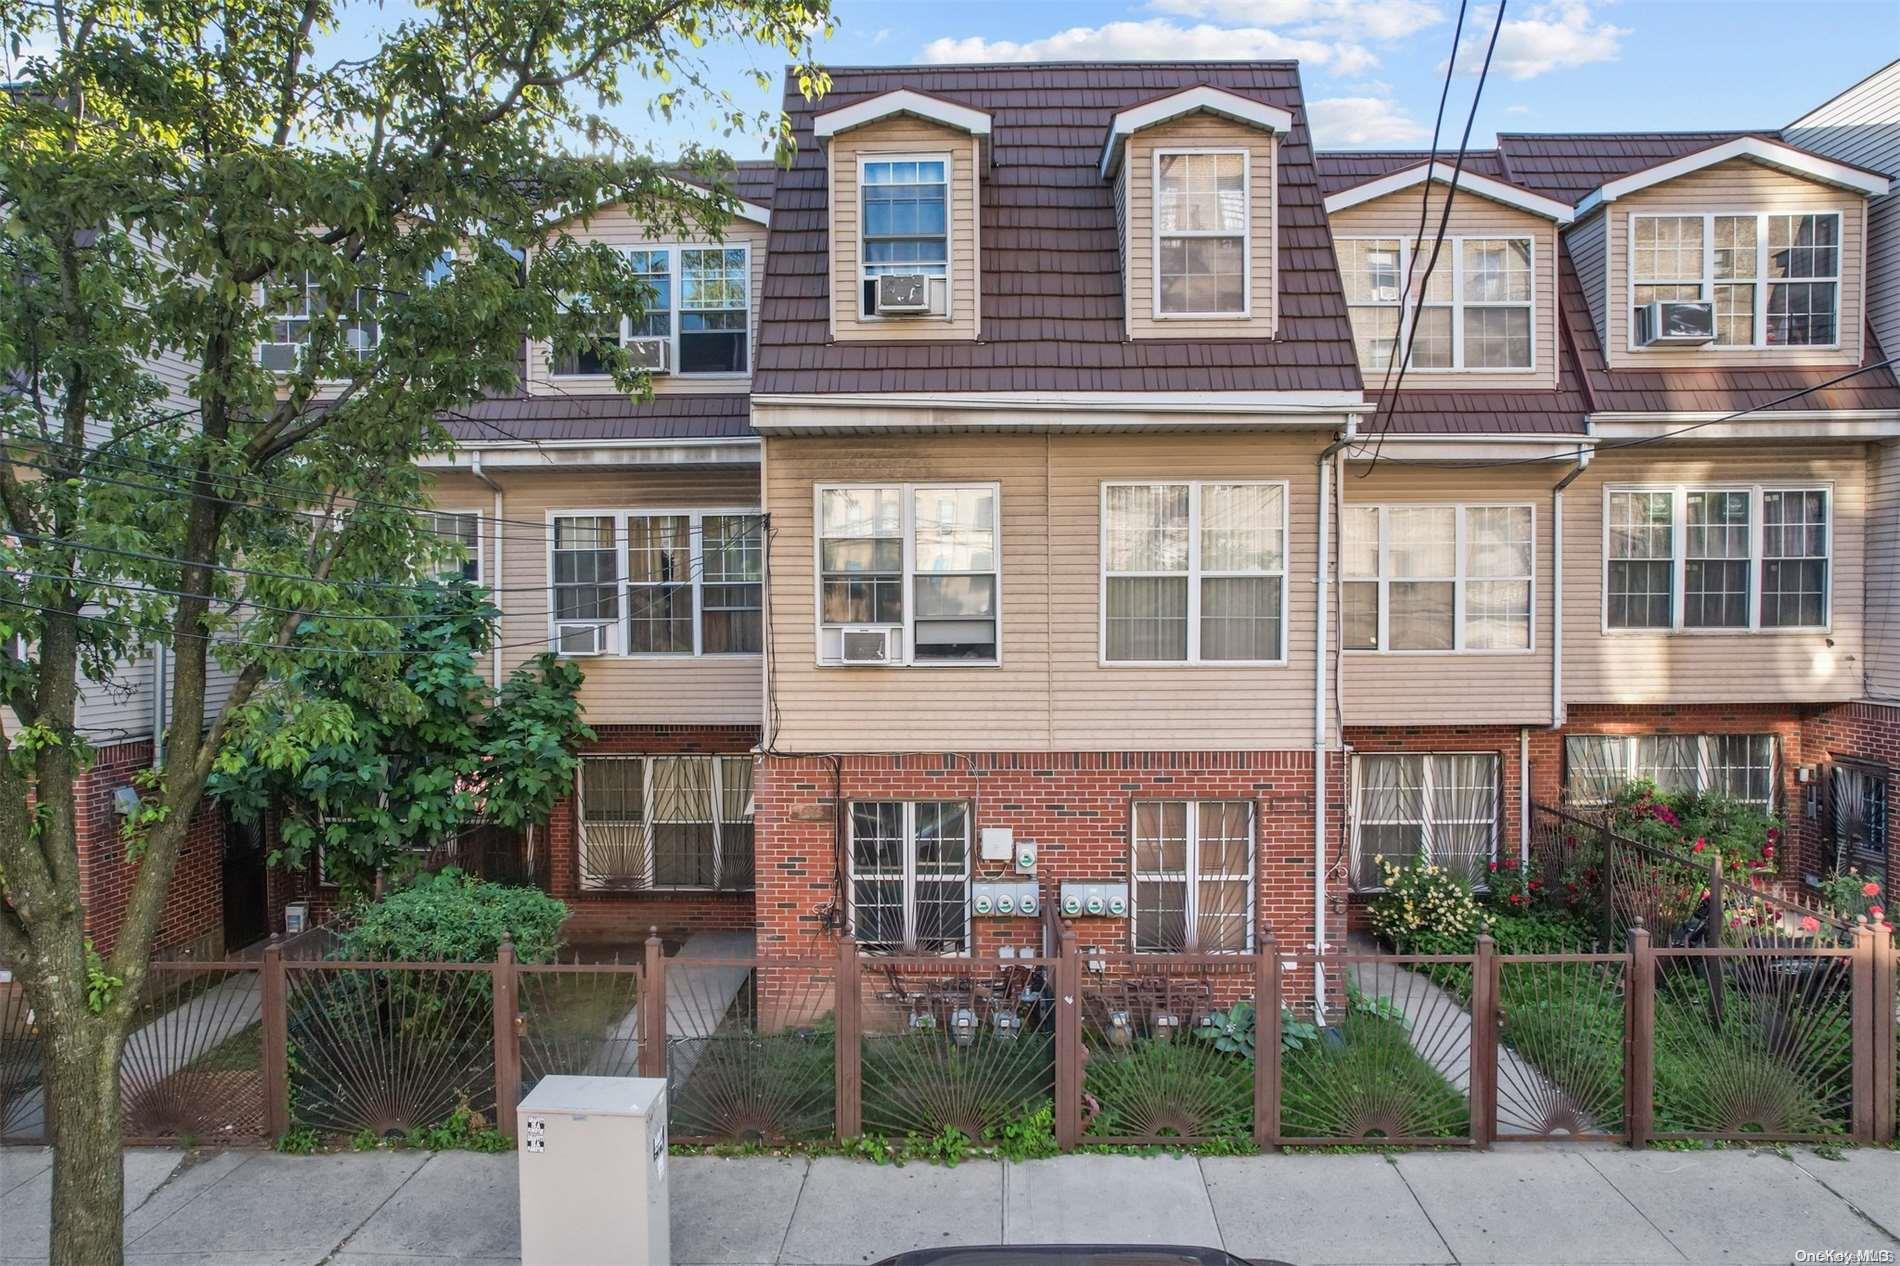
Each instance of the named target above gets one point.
<point>908,492</point>
<point>1453,253</point>
<point>1193,574</point>
<point>480,554</point>
<point>1678,559</point>
<point>909,850</point>
<point>1761,280</point>
<point>310,313</point>
<point>1426,790</point>
<point>615,641</point>
<point>715,790</point>
<point>1458,579</point>
<point>1191,877</point>
<point>949,235</point>
<point>673,251</point>
<point>1705,765</point>
<point>1246,233</point>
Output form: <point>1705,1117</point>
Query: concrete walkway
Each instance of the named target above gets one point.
<point>1525,1205</point>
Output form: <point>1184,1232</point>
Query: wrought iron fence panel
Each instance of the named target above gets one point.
<point>1754,1044</point>
<point>192,1070</point>
<point>578,1019</point>
<point>751,1049</point>
<point>383,1050</point>
<point>1390,1059</point>
<point>954,1044</point>
<point>22,1090</point>
<point>1562,1048</point>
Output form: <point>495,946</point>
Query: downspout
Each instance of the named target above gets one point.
<point>1557,583</point>
<point>1321,583</point>
<point>161,703</point>
<point>492,572</point>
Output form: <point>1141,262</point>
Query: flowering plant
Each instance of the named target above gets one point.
<point>1421,897</point>
<point>1852,894</point>
<point>1703,825</point>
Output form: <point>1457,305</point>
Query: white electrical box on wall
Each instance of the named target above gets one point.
<point>998,844</point>
<point>592,1156</point>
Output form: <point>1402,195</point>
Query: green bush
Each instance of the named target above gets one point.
<point>455,918</point>
<point>1421,897</point>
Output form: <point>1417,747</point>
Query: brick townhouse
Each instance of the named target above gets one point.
<point>1031,508</point>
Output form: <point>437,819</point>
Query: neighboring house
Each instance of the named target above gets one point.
<point>1031,496</point>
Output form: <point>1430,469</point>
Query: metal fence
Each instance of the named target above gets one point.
<point>1759,1043</point>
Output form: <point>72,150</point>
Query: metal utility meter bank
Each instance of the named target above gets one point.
<point>592,1155</point>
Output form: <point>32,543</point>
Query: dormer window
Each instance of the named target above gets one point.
<point>1774,279</point>
<point>1201,233</point>
<point>906,222</point>
<point>697,317</point>
<point>1475,312</point>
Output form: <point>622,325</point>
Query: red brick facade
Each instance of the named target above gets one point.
<point>193,918</point>
<point>1075,806</point>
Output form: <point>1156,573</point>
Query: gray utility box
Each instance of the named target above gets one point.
<point>592,1155</point>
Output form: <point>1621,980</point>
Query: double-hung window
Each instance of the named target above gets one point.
<point>906,210</point>
<point>1201,233</point>
<point>1193,573</point>
<point>1438,807</point>
<point>1740,766</point>
<point>459,531</point>
<point>910,875</point>
<point>1745,557</point>
<point>290,324</point>
<point>919,561</point>
<point>1474,312</point>
<point>1438,578</point>
<point>666,822</point>
<point>688,583</point>
<point>1774,279</point>
<point>1193,870</point>
<point>698,303</point>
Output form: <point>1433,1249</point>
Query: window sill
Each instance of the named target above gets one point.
<point>1191,663</point>
<point>1366,653</point>
<point>928,665</point>
<point>1819,630</point>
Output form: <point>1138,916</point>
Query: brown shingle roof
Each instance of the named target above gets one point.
<point>1051,288</point>
<point>537,419</point>
<point>1346,169</point>
<point>1569,165</point>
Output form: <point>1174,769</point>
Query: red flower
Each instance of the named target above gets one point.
<point>1870,890</point>
<point>1768,851</point>
<point>1700,844</point>
<point>1876,913</point>
<point>1810,924</point>
<point>1774,833</point>
<point>1494,866</point>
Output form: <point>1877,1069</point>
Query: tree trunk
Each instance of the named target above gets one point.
<point>86,1120</point>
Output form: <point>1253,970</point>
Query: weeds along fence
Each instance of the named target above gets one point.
<point>1758,1042</point>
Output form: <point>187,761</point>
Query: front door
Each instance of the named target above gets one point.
<point>246,916</point>
<point>1857,813</point>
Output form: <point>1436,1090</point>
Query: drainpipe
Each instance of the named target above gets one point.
<point>493,570</point>
<point>1321,580</point>
<point>160,703</point>
<point>1524,797</point>
<point>1557,584</point>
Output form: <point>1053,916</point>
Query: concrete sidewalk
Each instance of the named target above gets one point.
<point>1522,1205</point>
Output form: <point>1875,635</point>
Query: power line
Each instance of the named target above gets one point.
<point>1395,399</point>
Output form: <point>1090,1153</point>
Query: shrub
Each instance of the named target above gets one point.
<point>455,918</point>
<point>1850,894</point>
<point>1421,897</point>
<point>1702,825</point>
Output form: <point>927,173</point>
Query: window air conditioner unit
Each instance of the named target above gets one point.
<point>655,355</point>
<point>1676,323</point>
<point>870,646</point>
<point>579,639</point>
<point>279,358</point>
<point>901,294</point>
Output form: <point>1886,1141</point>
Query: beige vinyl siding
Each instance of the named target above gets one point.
<point>1738,185</point>
<point>1584,243</point>
<point>1397,216</point>
<point>1883,581</point>
<point>1709,667</point>
<point>616,227</point>
<point>902,136</point>
<point>683,690</point>
<point>1201,131</point>
<point>1050,692</point>
<point>1859,127</point>
<point>1468,688</point>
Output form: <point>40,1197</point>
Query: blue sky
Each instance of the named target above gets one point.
<point>1372,68</point>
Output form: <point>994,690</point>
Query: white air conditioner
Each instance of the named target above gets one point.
<point>1675,323</point>
<point>870,646</point>
<point>903,294</point>
<point>655,355</point>
<point>279,358</point>
<point>579,639</point>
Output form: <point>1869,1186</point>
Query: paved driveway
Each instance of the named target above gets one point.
<point>1525,1205</point>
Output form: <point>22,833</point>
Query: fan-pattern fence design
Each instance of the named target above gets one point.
<point>22,1096</point>
<point>1152,1069</point>
<point>751,1050</point>
<point>193,1069</point>
<point>1561,1055</point>
<point>579,1020</point>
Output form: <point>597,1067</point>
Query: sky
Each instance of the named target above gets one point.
<point>1372,69</point>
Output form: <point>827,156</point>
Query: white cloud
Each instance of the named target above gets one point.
<point>1152,38</point>
<point>1553,36</point>
<point>1377,20</point>
<point>1362,122</point>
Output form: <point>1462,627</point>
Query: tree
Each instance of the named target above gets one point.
<point>182,182</point>
<point>373,760</point>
